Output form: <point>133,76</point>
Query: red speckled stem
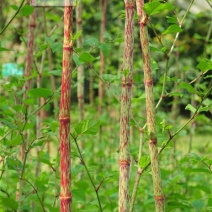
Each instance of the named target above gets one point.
<point>124,158</point>
<point>150,109</point>
<point>65,101</point>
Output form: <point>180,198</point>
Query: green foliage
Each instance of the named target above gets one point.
<point>40,92</point>
<point>186,162</point>
<point>86,127</point>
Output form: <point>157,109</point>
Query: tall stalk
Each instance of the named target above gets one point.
<point>150,109</point>
<point>124,158</point>
<point>80,71</point>
<point>27,73</point>
<point>103,8</point>
<point>65,151</point>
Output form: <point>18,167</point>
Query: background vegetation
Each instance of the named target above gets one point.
<point>181,46</point>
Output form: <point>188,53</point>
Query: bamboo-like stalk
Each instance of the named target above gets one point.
<point>150,109</point>
<point>26,87</point>
<point>65,151</point>
<point>80,71</point>
<point>124,157</point>
<point>103,9</point>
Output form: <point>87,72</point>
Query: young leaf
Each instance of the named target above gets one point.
<point>56,72</point>
<point>144,160</point>
<point>105,48</point>
<point>40,92</point>
<point>156,7</point>
<point>198,205</point>
<point>188,87</point>
<point>191,108</point>
<point>203,109</point>
<point>56,47</point>
<point>14,163</point>
<point>9,203</point>
<point>87,127</point>
<point>77,35</point>
<point>86,57</point>
<point>205,65</point>
<point>172,29</point>
<point>9,124</point>
<point>26,10</point>
<point>2,49</point>
<point>92,41</point>
<point>111,78</point>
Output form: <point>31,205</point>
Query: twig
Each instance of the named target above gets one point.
<point>88,173</point>
<point>16,13</point>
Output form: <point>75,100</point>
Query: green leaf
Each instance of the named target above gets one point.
<point>86,57</point>
<point>79,194</point>
<point>92,41</point>
<point>188,87</point>
<point>200,170</point>
<point>171,20</point>
<point>9,203</point>
<point>56,47</point>
<point>14,163</point>
<point>111,77</point>
<point>140,98</point>
<point>172,29</point>
<point>198,205</point>
<point>14,7</point>
<point>203,109</point>
<point>40,92</point>
<point>76,60</point>
<point>154,65</point>
<point>9,124</point>
<point>38,143</point>
<point>26,10</point>
<point>87,127</point>
<point>156,7</point>
<point>105,48</point>
<point>44,158</point>
<point>144,161</point>
<point>56,72</point>
<point>191,108</point>
<point>205,65</point>
<point>77,35</point>
<point>2,49</point>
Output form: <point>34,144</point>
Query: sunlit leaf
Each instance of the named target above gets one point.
<point>26,10</point>
<point>144,160</point>
<point>191,108</point>
<point>156,7</point>
<point>172,29</point>
<point>87,127</point>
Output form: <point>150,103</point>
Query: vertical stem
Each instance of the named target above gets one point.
<point>103,8</point>
<point>150,109</point>
<point>91,92</point>
<point>80,71</point>
<point>27,73</point>
<point>29,55</point>
<point>124,157</point>
<point>65,163</point>
<point>139,172</point>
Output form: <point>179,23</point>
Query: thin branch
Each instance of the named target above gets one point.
<point>36,191</point>
<point>88,173</point>
<point>16,13</point>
